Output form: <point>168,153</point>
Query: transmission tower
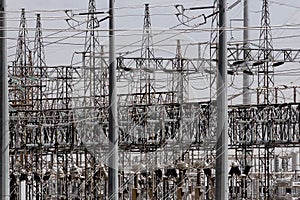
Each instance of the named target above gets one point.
<point>39,62</point>
<point>91,50</point>
<point>21,98</point>
<point>21,69</point>
<point>142,84</point>
<point>19,94</point>
<point>23,53</point>
<point>39,52</point>
<point>265,58</point>
<point>145,97</point>
<point>265,94</point>
<point>180,89</point>
<point>40,73</point>
<point>180,84</point>
<point>147,53</point>
<point>94,79</point>
<point>93,104</point>
<point>147,42</point>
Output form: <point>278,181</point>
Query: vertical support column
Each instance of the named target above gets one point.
<point>221,192</point>
<point>295,94</point>
<point>4,181</point>
<point>246,82</point>
<point>113,186</point>
<point>265,54</point>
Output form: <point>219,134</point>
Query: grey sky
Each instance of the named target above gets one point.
<point>129,21</point>
<point>280,14</point>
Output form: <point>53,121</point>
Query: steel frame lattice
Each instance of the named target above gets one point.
<point>59,118</point>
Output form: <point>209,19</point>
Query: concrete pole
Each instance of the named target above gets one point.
<point>113,185</point>
<point>246,82</point>
<point>222,109</point>
<point>4,108</point>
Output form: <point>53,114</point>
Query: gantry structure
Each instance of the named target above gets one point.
<point>59,122</point>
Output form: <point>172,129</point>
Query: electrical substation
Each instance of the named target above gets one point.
<point>172,143</point>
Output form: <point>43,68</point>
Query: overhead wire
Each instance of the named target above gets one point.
<point>131,30</point>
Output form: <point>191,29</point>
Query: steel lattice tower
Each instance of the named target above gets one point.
<point>147,42</point>
<point>181,86</point>
<point>21,69</point>
<point>93,105</point>
<point>265,58</point>
<point>20,97</point>
<point>91,50</point>
<point>95,70</point>
<point>266,93</point>
<point>147,53</point>
<point>94,79</point>
<point>39,62</point>
<point>40,73</point>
